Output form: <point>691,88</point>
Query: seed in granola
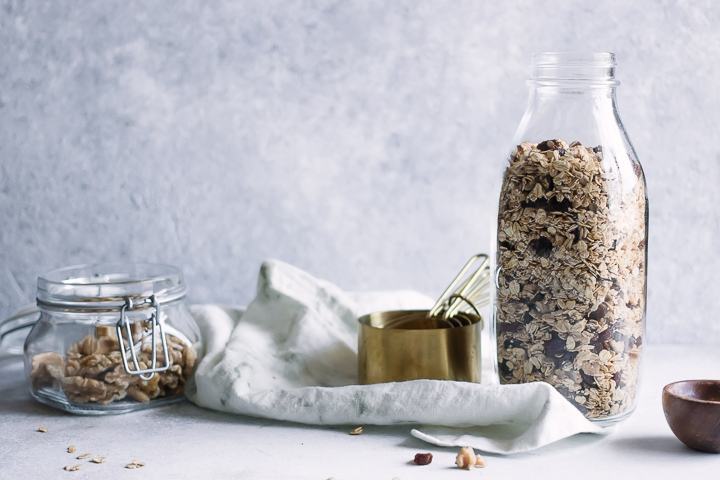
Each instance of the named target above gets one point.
<point>84,456</point>
<point>468,459</point>
<point>356,431</point>
<point>73,469</point>
<point>507,245</point>
<point>597,149</point>
<point>42,429</point>
<point>599,313</point>
<point>548,145</point>
<point>71,449</point>
<point>562,152</point>
<point>98,460</point>
<point>542,246</point>
<point>423,458</point>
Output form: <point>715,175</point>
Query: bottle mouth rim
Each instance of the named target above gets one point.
<point>569,59</point>
<point>581,69</point>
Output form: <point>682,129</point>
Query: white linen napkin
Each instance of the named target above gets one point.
<point>292,355</point>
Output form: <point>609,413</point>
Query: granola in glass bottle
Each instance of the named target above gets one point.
<point>571,251</point>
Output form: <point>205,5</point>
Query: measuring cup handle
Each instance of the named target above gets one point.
<point>24,318</point>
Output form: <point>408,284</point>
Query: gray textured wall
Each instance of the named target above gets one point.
<point>357,140</point>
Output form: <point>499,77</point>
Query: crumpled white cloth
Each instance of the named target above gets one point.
<point>292,355</point>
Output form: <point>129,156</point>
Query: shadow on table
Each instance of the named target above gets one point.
<point>665,444</point>
<point>576,441</point>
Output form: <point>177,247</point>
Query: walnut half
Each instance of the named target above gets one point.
<point>468,459</point>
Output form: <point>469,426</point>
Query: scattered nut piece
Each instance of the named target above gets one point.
<point>84,456</point>
<point>98,460</point>
<point>423,458</point>
<point>71,449</point>
<point>138,463</point>
<point>73,469</point>
<point>42,429</point>
<point>468,459</point>
<point>131,466</point>
<point>356,431</point>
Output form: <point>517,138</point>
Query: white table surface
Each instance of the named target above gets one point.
<point>185,441</point>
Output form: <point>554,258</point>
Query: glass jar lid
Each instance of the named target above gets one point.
<point>107,287</point>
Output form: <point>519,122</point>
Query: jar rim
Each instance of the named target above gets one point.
<point>106,286</point>
<point>606,59</point>
<point>576,69</point>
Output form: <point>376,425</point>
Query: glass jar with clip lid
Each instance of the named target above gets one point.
<point>109,338</point>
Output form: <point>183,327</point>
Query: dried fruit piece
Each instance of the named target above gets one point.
<point>71,449</point>
<point>423,458</point>
<point>84,456</point>
<point>98,460</point>
<point>468,459</point>
<point>356,431</point>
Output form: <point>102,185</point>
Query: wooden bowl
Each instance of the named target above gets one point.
<point>692,409</point>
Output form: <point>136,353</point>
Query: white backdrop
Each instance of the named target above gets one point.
<point>358,140</point>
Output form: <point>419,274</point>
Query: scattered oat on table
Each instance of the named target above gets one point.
<point>71,449</point>
<point>138,463</point>
<point>468,459</point>
<point>73,469</point>
<point>98,460</point>
<point>131,466</point>
<point>42,429</point>
<point>84,456</point>
<point>356,431</point>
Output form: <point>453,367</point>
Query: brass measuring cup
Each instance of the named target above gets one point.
<point>442,343</point>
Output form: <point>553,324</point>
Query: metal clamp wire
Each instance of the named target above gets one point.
<point>156,325</point>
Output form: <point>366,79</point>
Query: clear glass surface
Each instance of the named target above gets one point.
<point>571,241</point>
<point>72,354</point>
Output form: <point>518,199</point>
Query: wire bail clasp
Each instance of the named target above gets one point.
<point>156,325</point>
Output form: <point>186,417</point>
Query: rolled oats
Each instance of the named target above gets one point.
<point>356,431</point>
<point>92,370</point>
<point>571,282</point>
<point>71,449</point>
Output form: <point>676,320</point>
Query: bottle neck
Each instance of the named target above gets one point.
<point>573,113</point>
<point>578,99</point>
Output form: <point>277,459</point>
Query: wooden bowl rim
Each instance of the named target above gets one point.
<point>691,399</point>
